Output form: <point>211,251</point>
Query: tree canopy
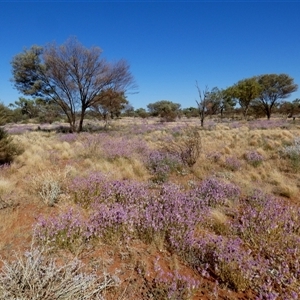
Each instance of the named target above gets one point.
<point>71,75</point>
<point>245,92</point>
<point>110,102</point>
<point>273,89</point>
<point>167,110</point>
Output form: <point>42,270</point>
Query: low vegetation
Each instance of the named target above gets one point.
<point>153,210</point>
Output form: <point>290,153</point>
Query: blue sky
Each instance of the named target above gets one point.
<point>168,44</point>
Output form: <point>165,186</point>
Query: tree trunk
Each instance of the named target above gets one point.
<point>221,111</point>
<point>80,125</point>
<point>245,112</point>
<point>71,121</point>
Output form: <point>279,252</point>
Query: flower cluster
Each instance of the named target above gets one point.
<point>254,158</point>
<point>232,163</point>
<point>260,248</point>
<point>161,164</point>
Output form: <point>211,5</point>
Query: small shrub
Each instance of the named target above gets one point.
<point>34,276</point>
<point>187,146</point>
<point>232,163</point>
<point>254,158</point>
<point>49,185</point>
<point>8,150</point>
<point>293,154</point>
<point>68,230</point>
<point>168,285</point>
<point>50,191</point>
<point>161,164</point>
<point>213,192</point>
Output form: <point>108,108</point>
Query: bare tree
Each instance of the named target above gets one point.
<point>71,75</point>
<point>202,103</point>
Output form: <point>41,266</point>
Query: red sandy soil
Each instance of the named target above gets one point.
<point>17,236</point>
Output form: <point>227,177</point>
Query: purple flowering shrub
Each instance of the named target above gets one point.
<point>226,258</point>
<point>111,146</point>
<point>254,158</point>
<point>69,137</point>
<point>161,164</point>
<point>260,249</point>
<point>272,230</point>
<point>171,285</point>
<point>69,230</point>
<point>212,192</point>
<point>232,163</point>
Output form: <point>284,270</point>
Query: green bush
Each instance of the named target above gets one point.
<point>8,149</point>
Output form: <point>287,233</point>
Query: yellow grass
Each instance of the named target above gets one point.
<point>5,186</point>
<point>47,157</point>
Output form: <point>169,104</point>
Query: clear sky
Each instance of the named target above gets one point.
<point>168,44</point>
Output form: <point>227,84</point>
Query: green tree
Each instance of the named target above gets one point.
<point>37,108</point>
<point>5,114</point>
<point>71,75</point>
<point>142,113</point>
<point>8,149</point>
<point>245,92</point>
<point>166,110</point>
<point>25,107</point>
<point>273,89</point>
<point>219,101</point>
<point>289,108</point>
<point>128,110</point>
<point>190,112</point>
<point>227,103</point>
<point>214,100</point>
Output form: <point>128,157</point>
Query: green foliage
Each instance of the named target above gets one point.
<point>8,149</point>
<point>290,108</point>
<point>245,91</point>
<point>227,102</point>
<point>141,112</point>
<point>70,75</point>
<point>262,93</point>
<point>44,111</point>
<point>190,112</point>
<point>167,110</point>
<point>214,101</point>
<point>5,114</point>
<point>273,88</point>
<point>27,69</point>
